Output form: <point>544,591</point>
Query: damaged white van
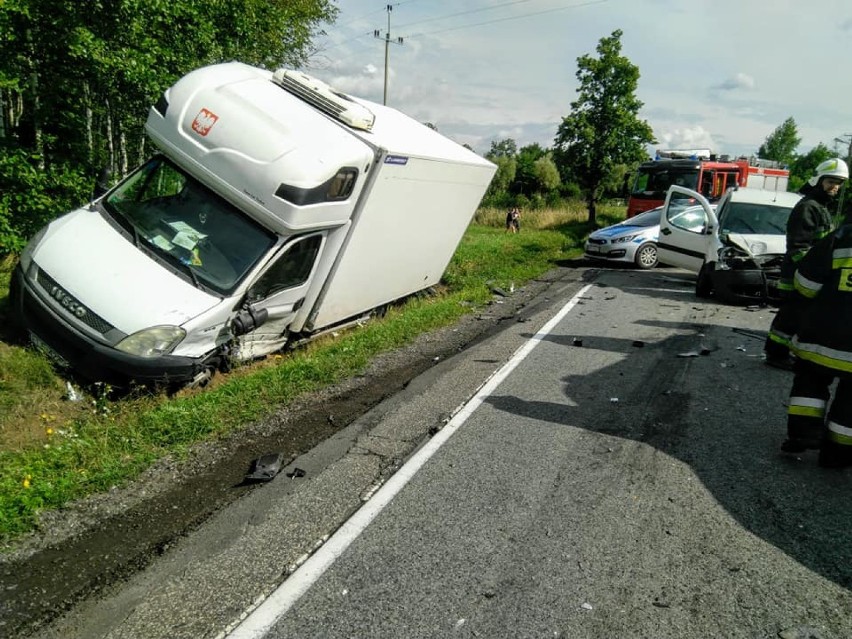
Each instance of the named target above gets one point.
<point>276,207</point>
<point>735,247</point>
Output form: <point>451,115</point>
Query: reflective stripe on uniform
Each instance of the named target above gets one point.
<point>807,406</point>
<point>806,287</point>
<point>778,337</point>
<point>798,255</point>
<point>840,434</point>
<point>822,355</point>
<point>784,285</point>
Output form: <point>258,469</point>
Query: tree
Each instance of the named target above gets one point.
<point>603,129</point>
<point>781,144</point>
<point>526,182</point>
<point>504,148</point>
<point>803,166</point>
<point>498,191</point>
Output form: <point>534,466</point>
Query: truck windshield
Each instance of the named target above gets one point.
<point>194,229</point>
<point>760,219</point>
<point>655,182</point>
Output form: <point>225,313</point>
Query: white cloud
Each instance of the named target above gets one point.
<point>695,137</point>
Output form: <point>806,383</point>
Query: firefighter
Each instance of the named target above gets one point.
<point>823,348</point>
<point>809,221</point>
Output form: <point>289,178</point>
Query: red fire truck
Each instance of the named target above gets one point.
<point>701,171</point>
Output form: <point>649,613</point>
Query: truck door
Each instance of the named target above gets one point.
<point>280,290</point>
<point>687,229</point>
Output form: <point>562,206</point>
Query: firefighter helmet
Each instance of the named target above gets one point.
<point>834,167</point>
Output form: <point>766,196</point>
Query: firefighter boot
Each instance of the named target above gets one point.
<point>803,433</point>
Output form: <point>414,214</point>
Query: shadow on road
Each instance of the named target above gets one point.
<point>723,414</point>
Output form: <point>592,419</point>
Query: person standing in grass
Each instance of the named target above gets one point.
<point>513,220</point>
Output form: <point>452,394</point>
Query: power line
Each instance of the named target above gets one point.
<point>518,17</point>
<point>462,13</point>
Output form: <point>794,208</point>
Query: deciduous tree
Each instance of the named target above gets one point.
<point>603,128</point>
<point>781,144</point>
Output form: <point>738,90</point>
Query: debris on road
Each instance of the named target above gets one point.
<point>577,341</point>
<point>638,343</point>
<point>265,468</point>
<point>296,473</point>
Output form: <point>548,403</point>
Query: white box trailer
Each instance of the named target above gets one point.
<point>277,207</point>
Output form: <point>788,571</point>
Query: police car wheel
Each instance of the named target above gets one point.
<point>646,256</point>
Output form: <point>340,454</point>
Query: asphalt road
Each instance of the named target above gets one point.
<point>616,482</point>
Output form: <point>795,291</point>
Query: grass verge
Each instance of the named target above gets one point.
<point>53,450</point>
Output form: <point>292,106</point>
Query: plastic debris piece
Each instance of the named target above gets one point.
<point>688,354</point>
<point>265,468</point>
<point>613,400</point>
<point>295,473</point>
<point>70,394</point>
<point>577,341</point>
<point>499,291</point>
<point>586,606</point>
<point>741,348</point>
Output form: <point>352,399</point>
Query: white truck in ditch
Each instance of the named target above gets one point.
<point>276,207</point>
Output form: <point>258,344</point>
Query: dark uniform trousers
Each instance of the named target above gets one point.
<point>822,344</point>
<point>809,405</point>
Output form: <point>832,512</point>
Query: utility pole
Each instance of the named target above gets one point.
<point>388,41</point>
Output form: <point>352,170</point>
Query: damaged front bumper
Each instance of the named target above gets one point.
<point>746,279</point>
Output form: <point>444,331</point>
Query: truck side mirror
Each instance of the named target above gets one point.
<point>102,183</point>
<point>248,320</point>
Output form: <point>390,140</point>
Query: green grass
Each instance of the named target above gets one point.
<point>53,451</point>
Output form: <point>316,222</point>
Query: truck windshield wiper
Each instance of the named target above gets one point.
<point>188,268</point>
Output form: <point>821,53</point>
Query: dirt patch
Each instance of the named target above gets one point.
<point>82,549</point>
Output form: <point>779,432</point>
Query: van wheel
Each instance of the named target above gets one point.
<point>704,284</point>
<point>646,256</point>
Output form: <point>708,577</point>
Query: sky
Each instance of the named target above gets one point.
<point>715,74</point>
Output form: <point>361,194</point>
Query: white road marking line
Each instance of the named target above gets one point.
<point>263,617</point>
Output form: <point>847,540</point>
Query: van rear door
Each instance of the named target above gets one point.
<point>687,229</point>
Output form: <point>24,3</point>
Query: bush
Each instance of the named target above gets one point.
<point>32,196</point>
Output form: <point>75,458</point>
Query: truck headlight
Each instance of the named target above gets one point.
<point>152,342</point>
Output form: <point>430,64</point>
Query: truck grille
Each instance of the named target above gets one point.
<point>50,286</point>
